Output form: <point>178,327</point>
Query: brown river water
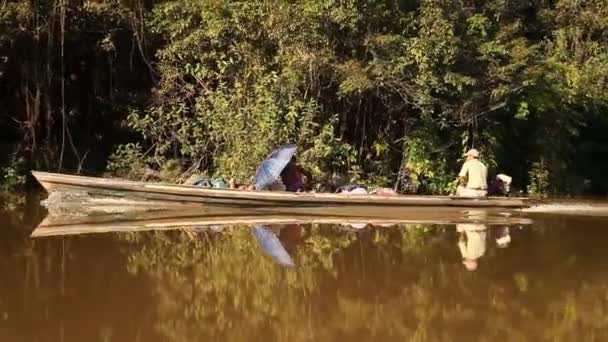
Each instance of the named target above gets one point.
<point>542,277</point>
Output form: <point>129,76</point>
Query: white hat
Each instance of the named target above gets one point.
<point>473,153</point>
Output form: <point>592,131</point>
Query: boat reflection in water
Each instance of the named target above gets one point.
<point>273,231</point>
<point>88,220</point>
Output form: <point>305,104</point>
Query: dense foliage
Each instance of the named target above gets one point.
<point>386,92</point>
<point>67,71</point>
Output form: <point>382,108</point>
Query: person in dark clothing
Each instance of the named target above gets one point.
<point>500,186</point>
<point>294,177</point>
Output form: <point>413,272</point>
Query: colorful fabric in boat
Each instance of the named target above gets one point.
<point>210,182</point>
<point>353,188</point>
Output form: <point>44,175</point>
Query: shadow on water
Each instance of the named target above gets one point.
<point>545,279</point>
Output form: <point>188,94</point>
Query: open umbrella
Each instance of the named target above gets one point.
<point>273,165</point>
<point>271,245</point>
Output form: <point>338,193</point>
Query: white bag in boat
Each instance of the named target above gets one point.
<point>506,180</point>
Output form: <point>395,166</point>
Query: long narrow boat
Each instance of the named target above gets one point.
<point>188,194</point>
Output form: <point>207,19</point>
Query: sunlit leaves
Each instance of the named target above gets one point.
<point>356,83</point>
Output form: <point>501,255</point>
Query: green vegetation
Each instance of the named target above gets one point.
<point>383,92</point>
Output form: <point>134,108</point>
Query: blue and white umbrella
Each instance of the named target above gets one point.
<point>271,245</point>
<point>273,165</point>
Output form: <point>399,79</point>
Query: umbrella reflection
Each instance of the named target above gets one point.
<point>271,245</point>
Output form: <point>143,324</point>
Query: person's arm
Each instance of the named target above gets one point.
<point>464,170</point>
<point>462,176</point>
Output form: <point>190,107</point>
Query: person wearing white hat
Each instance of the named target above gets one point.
<point>474,174</point>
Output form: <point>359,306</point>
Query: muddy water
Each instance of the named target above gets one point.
<point>546,280</point>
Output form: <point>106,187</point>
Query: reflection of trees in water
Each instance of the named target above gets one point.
<point>378,283</point>
<point>387,283</point>
<point>67,289</point>
<point>213,285</point>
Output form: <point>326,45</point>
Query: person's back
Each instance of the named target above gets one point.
<point>293,177</point>
<point>476,173</point>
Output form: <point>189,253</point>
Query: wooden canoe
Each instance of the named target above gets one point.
<point>187,194</point>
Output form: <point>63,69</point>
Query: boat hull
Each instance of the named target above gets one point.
<point>187,194</point>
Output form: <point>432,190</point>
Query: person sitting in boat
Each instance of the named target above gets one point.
<point>473,176</point>
<point>500,186</point>
<point>295,178</point>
